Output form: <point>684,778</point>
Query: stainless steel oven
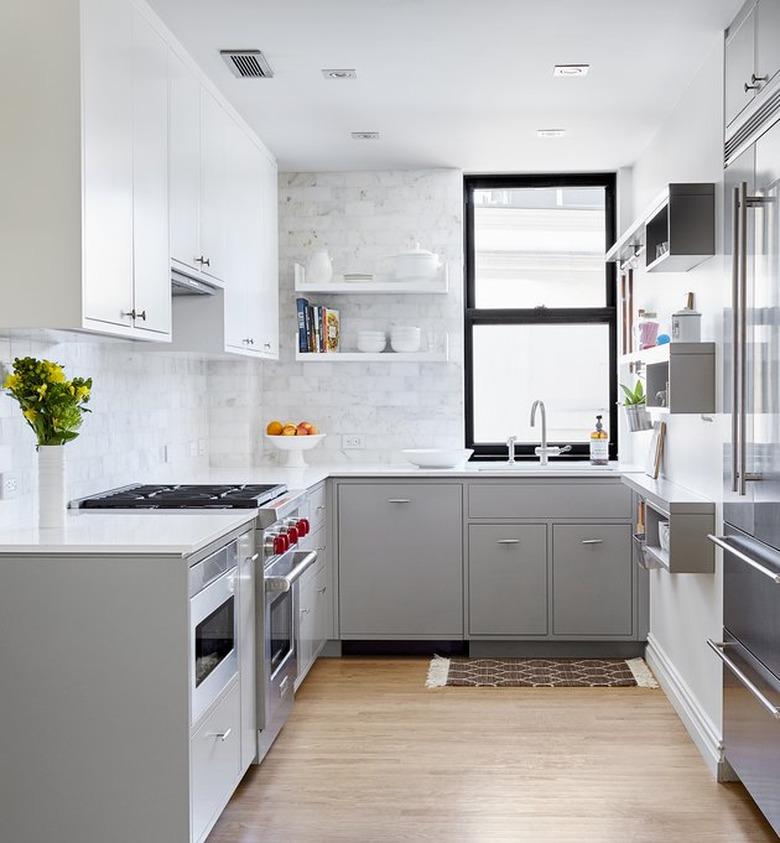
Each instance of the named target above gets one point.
<point>213,626</point>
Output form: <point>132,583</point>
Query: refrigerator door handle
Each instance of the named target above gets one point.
<point>735,264</point>
<point>742,222</point>
<point>722,543</point>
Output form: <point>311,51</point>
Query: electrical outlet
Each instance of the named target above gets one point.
<point>165,453</point>
<point>352,442</point>
<point>9,486</point>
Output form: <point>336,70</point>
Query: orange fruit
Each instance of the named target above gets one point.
<point>274,428</point>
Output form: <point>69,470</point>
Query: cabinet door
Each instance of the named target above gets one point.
<point>323,613</point>
<point>400,560</point>
<point>768,38</point>
<point>151,253</point>
<point>215,125</point>
<point>306,622</point>
<point>508,579</point>
<point>592,586</point>
<point>740,65</point>
<point>184,163</point>
<point>246,648</point>
<point>107,37</point>
<point>267,295</point>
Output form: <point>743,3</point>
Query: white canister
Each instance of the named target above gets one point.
<point>686,326</point>
<point>319,269</point>
<point>52,502</point>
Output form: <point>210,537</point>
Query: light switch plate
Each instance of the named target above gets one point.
<point>352,442</point>
<point>9,486</point>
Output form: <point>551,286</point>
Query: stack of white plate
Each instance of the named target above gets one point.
<point>371,342</point>
<point>405,340</point>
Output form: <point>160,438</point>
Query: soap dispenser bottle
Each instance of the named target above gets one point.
<point>599,444</point>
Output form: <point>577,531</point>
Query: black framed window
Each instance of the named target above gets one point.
<point>540,315</point>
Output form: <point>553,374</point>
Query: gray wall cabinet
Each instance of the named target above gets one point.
<point>400,560</point>
<point>507,582</point>
<point>592,579</point>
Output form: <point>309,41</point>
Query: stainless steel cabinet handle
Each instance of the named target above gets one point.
<point>399,500</point>
<point>508,541</point>
<point>320,508</point>
<point>735,249</point>
<point>267,345</point>
<point>718,648</point>
<point>253,558</point>
<point>592,541</point>
<point>135,314</point>
<point>222,736</point>
<point>322,590</point>
<point>722,542</point>
<point>206,261</point>
<point>752,87</point>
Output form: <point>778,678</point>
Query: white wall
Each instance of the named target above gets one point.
<point>362,218</point>
<point>688,148</point>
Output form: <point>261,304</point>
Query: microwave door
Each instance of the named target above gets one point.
<point>763,428</point>
<point>739,240</point>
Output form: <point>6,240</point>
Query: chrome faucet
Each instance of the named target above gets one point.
<point>544,450</point>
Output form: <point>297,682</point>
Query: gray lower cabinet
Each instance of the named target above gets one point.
<point>507,579</point>
<point>592,580</point>
<point>400,560</point>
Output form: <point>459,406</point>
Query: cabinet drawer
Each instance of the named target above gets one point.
<point>317,506</point>
<point>592,579</point>
<point>508,579</point>
<point>215,761</point>
<point>549,499</point>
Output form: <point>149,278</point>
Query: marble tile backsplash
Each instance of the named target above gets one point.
<point>362,219</point>
<point>149,420</point>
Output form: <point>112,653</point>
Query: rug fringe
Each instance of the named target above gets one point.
<point>642,673</point>
<point>438,670</point>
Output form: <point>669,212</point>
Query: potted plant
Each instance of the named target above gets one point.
<point>53,407</point>
<point>634,403</point>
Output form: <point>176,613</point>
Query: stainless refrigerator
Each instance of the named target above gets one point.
<point>750,649</point>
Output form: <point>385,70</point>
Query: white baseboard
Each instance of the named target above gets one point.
<point>697,722</point>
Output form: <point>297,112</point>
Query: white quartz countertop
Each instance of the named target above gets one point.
<point>137,533</point>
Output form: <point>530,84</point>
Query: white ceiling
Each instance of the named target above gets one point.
<point>454,83</point>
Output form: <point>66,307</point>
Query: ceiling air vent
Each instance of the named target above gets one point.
<point>247,64</point>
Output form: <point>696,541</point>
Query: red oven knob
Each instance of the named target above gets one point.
<point>292,535</point>
<point>280,543</point>
<point>303,527</point>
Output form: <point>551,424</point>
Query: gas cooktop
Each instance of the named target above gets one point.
<point>138,496</point>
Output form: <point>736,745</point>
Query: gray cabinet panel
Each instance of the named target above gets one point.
<point>549,499</point>
<point>508,579</point>
<point>400,560</point>
<point>592,579</point>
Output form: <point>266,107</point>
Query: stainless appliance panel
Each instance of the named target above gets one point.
<point>751,734</point>
<point>751,600</point>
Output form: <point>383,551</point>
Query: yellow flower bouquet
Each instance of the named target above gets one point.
<point>51,404</point>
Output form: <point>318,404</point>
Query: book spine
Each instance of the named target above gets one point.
<point>301,306</point>
<point>315,328</point>
<point>323,329</point>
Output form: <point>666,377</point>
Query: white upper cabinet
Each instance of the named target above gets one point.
<point>267,295</point>
<point>151,247</point>
<point>214,187</point>
<point>767,39</point>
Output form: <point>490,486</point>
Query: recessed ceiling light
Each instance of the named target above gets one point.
<point>571,69</point>
<point>339,73</point>
<point>551,133</point>
<point>365,135</point>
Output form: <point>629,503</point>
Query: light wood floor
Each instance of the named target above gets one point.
<point>370,754</point>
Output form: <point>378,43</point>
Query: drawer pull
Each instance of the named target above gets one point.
<point>399,500</point>
<point>718,648</point>
<point>592,541</point>
<point>223,736</point>
<point>508,541</point>
<point>320,508</point>
<point>721,542</point>
<point>322,590</point>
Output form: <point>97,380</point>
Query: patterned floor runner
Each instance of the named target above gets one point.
<point>539,673</point>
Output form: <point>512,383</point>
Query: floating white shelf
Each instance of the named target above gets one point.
<point>379,285</point>
<point>381,357</point>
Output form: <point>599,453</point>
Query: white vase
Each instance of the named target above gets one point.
<point>319,269</point>
<point>51,486</point>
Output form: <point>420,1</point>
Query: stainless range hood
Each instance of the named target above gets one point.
<point>183,285</point>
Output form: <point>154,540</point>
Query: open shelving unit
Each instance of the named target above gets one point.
<point>691,518</point>
<point>675,233</point>
<point>382,284</point>
<point>376,357</point>
<point>684,370</point>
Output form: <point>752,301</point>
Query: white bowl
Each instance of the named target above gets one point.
<point>438,457</point>
<point>295,446</point>
<point>405,346</point>
<point>405,332</point>
<point>371,346</point>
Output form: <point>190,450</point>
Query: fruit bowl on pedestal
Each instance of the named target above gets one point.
<point>294,446</point>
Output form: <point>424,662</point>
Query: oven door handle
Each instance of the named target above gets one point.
<point>282,584</point>
<point>719,649</point>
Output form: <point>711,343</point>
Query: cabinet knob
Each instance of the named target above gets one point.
<point>267,345</point>
<point>134,314</point>
<point>203,261</point>
<point>141,315</point>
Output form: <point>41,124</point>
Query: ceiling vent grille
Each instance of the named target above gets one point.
<point>247,64</point>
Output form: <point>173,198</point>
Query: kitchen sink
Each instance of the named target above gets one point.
<point>552,468</point>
